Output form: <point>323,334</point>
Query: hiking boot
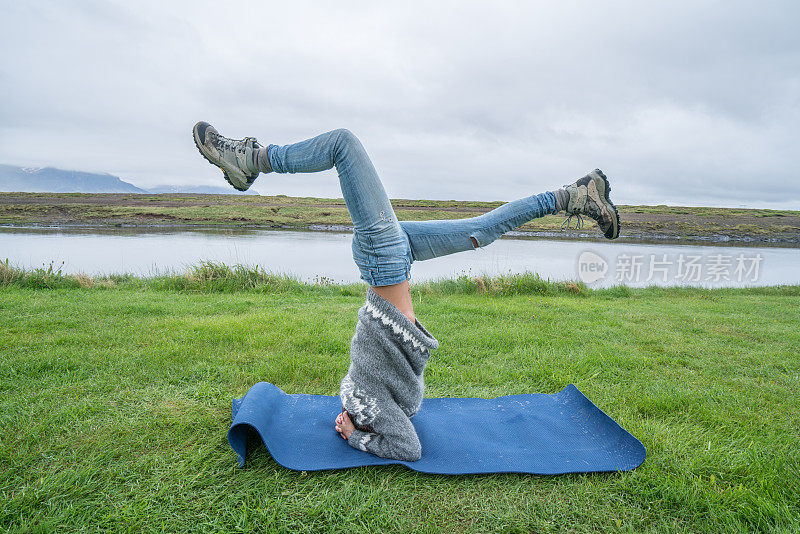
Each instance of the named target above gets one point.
<point>589,196</point>
<point>236,157</point>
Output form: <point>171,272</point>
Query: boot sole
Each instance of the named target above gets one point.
<point>616,223</point>
<point>205,157</point>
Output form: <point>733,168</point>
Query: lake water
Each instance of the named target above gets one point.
<point>313,254</point>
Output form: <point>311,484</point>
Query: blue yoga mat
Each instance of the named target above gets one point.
<point>539,434</point>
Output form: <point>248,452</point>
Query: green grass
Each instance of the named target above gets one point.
<point>116,401</point>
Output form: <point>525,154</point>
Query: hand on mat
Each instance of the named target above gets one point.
<point>344,426</point>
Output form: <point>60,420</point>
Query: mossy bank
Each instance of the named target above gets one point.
<point>662,223</point>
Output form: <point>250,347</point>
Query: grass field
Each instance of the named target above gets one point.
<point>116,401</point>
<point>281,211</point>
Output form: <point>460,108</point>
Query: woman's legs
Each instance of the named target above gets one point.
<point>431,239</point>
<point>380,246</point>
<point>588,196</point>
<point>384,248</point>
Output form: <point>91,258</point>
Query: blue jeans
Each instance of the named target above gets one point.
<point>383,247</point>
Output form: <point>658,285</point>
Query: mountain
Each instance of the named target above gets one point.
<point>204,189</point>
<point>51,180</point>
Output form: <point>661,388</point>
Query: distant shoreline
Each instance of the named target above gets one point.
<point>742,241</point>
<point>660,224</point>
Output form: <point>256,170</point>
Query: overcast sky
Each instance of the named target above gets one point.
<point>691,102</point>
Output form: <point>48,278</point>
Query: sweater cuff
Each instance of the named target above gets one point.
<point>358,439</point>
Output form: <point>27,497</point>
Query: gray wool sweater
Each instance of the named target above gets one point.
<point>383,387</point>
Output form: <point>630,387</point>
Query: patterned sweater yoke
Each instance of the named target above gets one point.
<point>384,386</point>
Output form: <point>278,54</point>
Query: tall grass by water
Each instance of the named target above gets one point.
<point>116,398</point>
<point>213,276</point>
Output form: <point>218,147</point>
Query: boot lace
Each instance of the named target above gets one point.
<point>578,222</point>
<point>233,145</point>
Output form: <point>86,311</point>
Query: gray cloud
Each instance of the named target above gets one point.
<point>690,103</point>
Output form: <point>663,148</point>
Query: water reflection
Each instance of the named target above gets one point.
<point>312,254</point>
